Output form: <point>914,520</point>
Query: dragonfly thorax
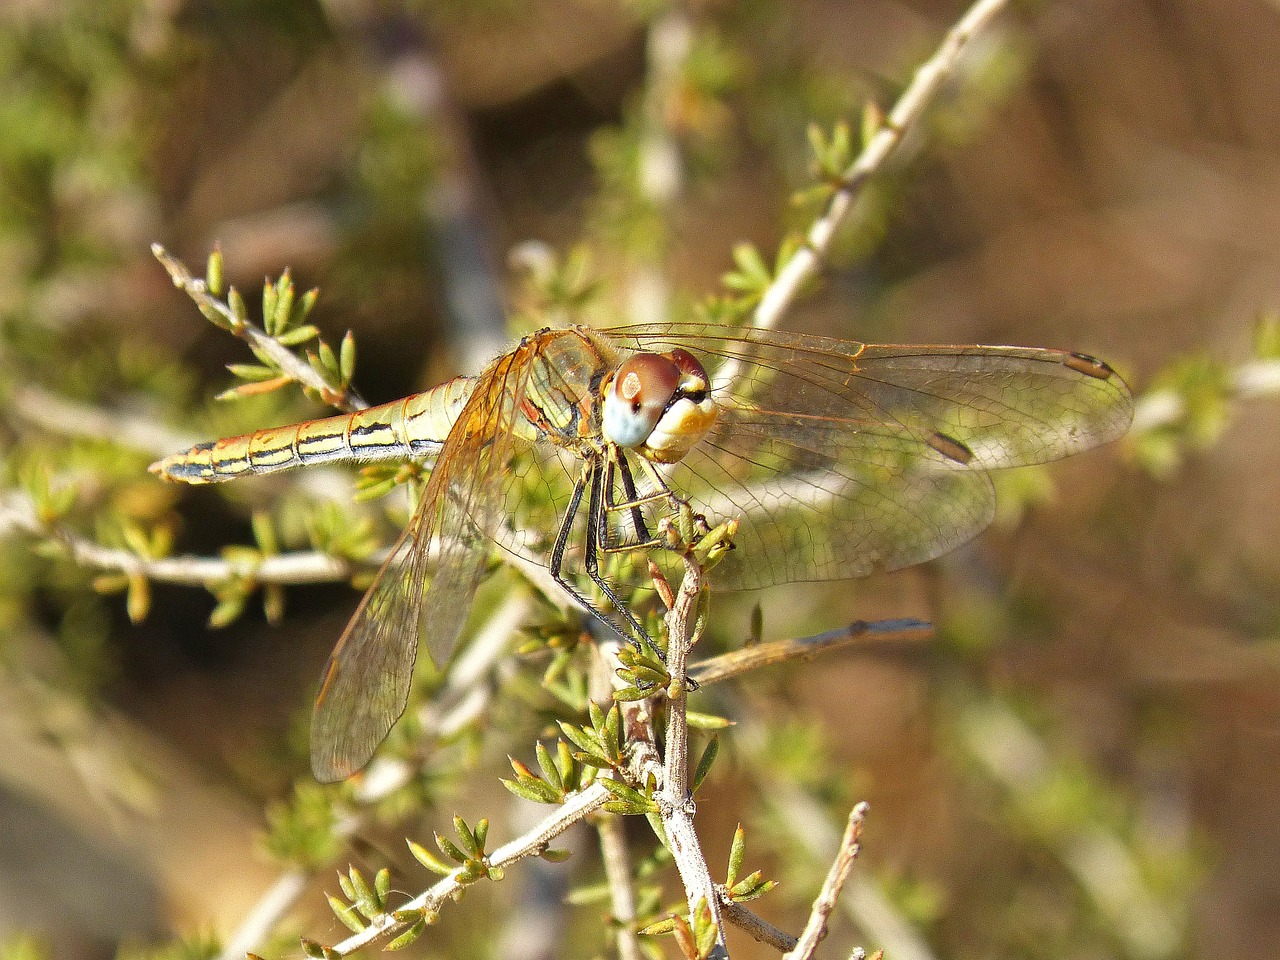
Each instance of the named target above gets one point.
<point>658,404</point>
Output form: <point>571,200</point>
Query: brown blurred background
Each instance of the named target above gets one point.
<point>1100,711</point>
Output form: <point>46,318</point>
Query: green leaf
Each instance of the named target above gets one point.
<point>534,790</point>
<point>631,693</point>
<point>270,297</point>
<point>428,859</point>
<point>347,357</point>
<point>628,794</point>
<point>737,850</point>
<point>450,849</point>
<point>408,937</point>
<point>548,766</point>
<point>705,931</point>
<point>365,899</point>
<point>308,301</point>
<point>227,611</point>
<point>284,303</point>
<point>579,737</point>
<point>707,721</point>
<point>298,335</point>
<point>138,599</point>
<point>348,890</point>
<point>704,762</point>
<point>213,271</point>
<point>464,833</point>
<point>239,310</point>
<point>254,373</point>
<point>347,913</point>
<point>328,361</point>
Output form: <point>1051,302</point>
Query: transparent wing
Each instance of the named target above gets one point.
<point>843,458</point>
<point>365,684</point>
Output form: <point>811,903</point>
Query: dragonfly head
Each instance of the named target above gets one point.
<point>658,404</point>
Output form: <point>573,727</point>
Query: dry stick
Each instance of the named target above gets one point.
<point>755,926</point>
<point>816,929</point>
<point>804,264</point>
<point>56,414</point>
<point>858,633</point>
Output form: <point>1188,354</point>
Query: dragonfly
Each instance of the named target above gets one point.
<point>838,459</point>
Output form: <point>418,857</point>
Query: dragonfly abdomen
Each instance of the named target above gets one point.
<point>410,428</point>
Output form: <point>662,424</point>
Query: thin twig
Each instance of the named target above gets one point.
<point>675,803</point>
<point>284,358</point>
<point>614,848</point>
<point>304,566</point>
<point>859,633</point>
<point>57,414</point>
<point>756,927</point>
<point>463,697</point>
<point>816,929</point>
<point>622,895</point>
<point>575,809</point>
<point>804,264</point>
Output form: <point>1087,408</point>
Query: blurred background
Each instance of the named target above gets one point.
<point>1084,762</point>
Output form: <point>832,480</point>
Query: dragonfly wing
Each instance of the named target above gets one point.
<point>365,685</point>
<point>816,509</point>
<point>843,458</point>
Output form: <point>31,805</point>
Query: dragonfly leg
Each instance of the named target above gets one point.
<point>597,533</point>
<point>589,478</point>
<point>614,467</point>
<point>632,504</point>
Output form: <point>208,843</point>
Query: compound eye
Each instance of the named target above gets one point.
<point>633,404</point>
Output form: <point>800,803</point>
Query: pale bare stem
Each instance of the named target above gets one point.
<point>857,634</point>
<point>675,804</point>
<point>289,362</point>
<point>816,929</point>
<point>56,414</point>
<point>756,927</point>
<point>804,264</point>
<point>17,511</point>
<point>622,895</point>
<point>266,913</point>
<point>575,809</point>
<point>614,851</point>
<point>463,697</point>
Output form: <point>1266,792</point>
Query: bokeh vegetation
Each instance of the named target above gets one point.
<point>1081,763</point>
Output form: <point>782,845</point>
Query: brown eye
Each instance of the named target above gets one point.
<point>642,387</point>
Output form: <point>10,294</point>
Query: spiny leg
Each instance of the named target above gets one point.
<point>590,475</point>
<point>633,502</point>
<point>617,466</point>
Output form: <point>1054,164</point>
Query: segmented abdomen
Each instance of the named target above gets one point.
<point>405,429</point>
